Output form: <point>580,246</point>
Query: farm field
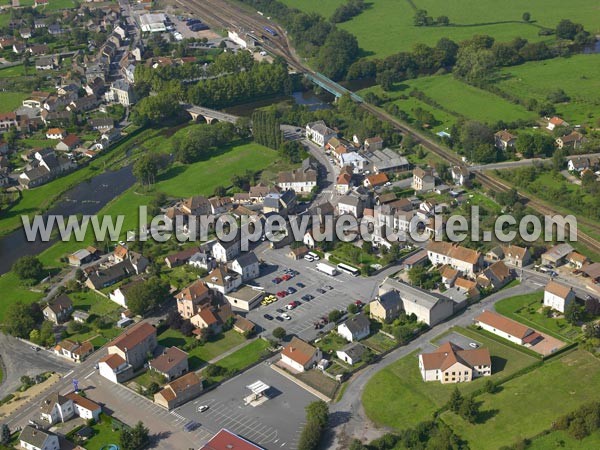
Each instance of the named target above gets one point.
<point>455,97</point>
<point>537,79</point>
<point>526,309</point>
<point>536,399</point>
<point>9,101</point>
<point>409,400</point>
<point>387,26</point>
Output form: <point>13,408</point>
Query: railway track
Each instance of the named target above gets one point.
<point>226,15</point>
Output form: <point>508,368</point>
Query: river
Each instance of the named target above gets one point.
<point>86,198</point>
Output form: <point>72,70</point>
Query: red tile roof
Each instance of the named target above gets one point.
<point>226,440</point>
<point>133,337</point>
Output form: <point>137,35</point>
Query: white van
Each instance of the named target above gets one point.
<point>313,255</point>
<point>309,258</point>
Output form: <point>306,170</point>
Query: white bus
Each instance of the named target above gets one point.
<point>348,269</point>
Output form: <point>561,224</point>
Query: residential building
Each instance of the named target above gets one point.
<point>423,180</point>
<point>578,164</point>
<point>461,258</point>
<point>355,328</point>
<point>84,407</point>
<point>59,309</point>
<point>180,258</point>
<point>180,391</point>
<point>374,143</point>
<point>319,133</point>
<point>153,23</point>
<point>298,252</point>
<point>387,160</point>
<point>80,257</point>
<point>8,120</point>
<point>386,307</point>
<point>190,299</point>
<point>243,325</point>
<point>115,368</point>
<point>68,144</point>
<point>504,140</point>
<point>577,260</point>
<point>300,355</point>
<point>460,175</point>
<point>121,92</point>
<point>225,251</point>
<point>56,408</point>
<point>557,255</point>
<point>223,280</point>
<point>74,351</point>
<point>352,353</point>
<point>507,328</point>
<point>100,279</point>
<point>375,180</point>
<point>450,363</point>
<point>555,122</point>
<point>56,133</point>
<point>572,140</point>
<point>102,124</point>
<point>301,180</point>
<point>226,440</point>
<point>134,344</point>
<point>32,438</point>
<point>202,260</point>
<point>350,204</point>
<point>516,256</point>
<point>172,364</point>
<point>558,296</point>
<point>281,203</point>
<point>119,295</point>
<point>247,266</point>
<point>495,276</point>
<point>344,180</point>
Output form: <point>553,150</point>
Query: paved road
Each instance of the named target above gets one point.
<point>348,419</point>
<point>523,162</point>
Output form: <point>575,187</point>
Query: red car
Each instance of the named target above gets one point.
<point>359,303</point>
<point>286,277</point>
<point>292,305</point>
<point>281,294</point>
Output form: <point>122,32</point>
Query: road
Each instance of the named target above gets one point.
<point>522,163</point>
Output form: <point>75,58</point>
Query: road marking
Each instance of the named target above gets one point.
<point>68,373</point>
<point>89,375</point>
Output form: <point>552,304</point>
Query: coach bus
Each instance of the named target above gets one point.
<point>348,269</point>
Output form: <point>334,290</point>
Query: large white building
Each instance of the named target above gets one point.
<point>507,328</point>
<point>153,23</point>
<point>558,296</point>
<point>300,355</point>
<point>461,258</point>
<point>319,133</point>
<point>450,363</point>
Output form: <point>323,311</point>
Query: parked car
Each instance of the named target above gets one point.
<point>281,294</point>
<point>190,426</point>
<point>321,291</point>
<point>292,305</point>
<point>279,310</point>
<point>286,316</point>
<point>286,277</point>
<point>291,290</point>
<point>279,318</point>
<point>301,285</point>
<point>307,297</point>
<point>202,408</point>
<point>329,288</point>
<point>268,316</point>
<point>277,280</point>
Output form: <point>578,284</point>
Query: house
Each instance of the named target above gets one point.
<point>68,144</point>
<point>558,296</point>
<point>247,266</point>
<point>577,260</point>
<point>180,391</point>
<point>578,164</point>
<point>220,205</point>
<point>119,295</point>
<point>507,328</point>
<point>100,279</point>
<point>304,179</point>
<point>450,363</point>
<point>352,353</point>
<point>80,316</point>
<point>344,180</point>
<point>423,180</point>
<point>190,299</point>
<point>46,63</point>
<point>555,122</point>
<point>572,140</point>
<point>467,287</point>
<point>416,259</point>
<point>495,276</point>
<point>355,328</point>
<point>84,407</point>
<point>300,355</point>
<point>461,258</point>
<point>202,260</point>
<point>449,275</point>
<point>374,143</point>
<point>172,364</point>
<point>115,368</point>
<point>224,251</point>
<point>80,257</point>
<point>460,175</point>
<point>504,140</point>
<point>19,47</point>
<point>557,255</point>
<point>134,344</point>
<point>350,204</point>
<point>375,180</point>
<point>223,280</point>
<point>386,307</point>
<point>516,256</point>
<point>428,307</point>
<point>40,3</point>
<point>56,408</point>
<point>121,92</point>
<point>280,202</point>
<point>7,121</point>
<point>243,325</point>
<point>298,252</point>
<point>319,133</point>
<point>74,350</point>
<point>32,438</point>
<point>212,317</point>
<point>226,440</point>
<point>180,258</point>
<point>84,104</point>
<point>56,133</point>
<point>59,309</point>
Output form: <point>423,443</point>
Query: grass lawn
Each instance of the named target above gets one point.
<point>10,101</point>
<point>537,79</point>
<point>331,342</point>
<point>526,309</point>
<point>387,26</point>
<point>104,434</point>
<point>457,99</point>
<point>560,439</point>
<point>379,342</point>
<point>54,5</point>
<point>13,71</point>
<point>203,353</point>
<point>324,8</point>
<point>409,400</point>
<point>12,291</point>
<point>245,356</point>
<point>536,399</point>
<point>203,176</point>
<point>93,303</point>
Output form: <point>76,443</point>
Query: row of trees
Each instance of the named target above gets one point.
<point>347,11</point>
<point>317,414</point>
<point>266,128</point>
<point>581,422</point>
<point>422,19</point>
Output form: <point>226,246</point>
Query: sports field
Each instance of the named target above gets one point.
<point>576,75</point>
<point>455,99</point>
<point>528,404</point>
<point>387,26</point>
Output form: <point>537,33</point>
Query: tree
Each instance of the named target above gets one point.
<point>526,145</point>
<point>266,129</point>
<point>442,20</point>
<point>174,320</point>
<point>187,329</point>
<point>316,419</point>
<point>135,438</point>
<point>490,387</point>
<point>5,434</point>
<point>28,268</point>
<point>574,313</point>
<point>153,388</point>
<point>526,17</point>
<point>334,315</point>
<point>146,168</point>
<point>156,109</point>
<point>567,29</point>
<point>474,65</point>
<point>455,401</point>
<point>142,297</point>
<point>469,409</point>
<point>352,308</point>
<point>279,333</point>
<point>47,333</point>
<point>18,320</point>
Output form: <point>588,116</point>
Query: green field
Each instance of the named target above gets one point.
<point>560,439</point>
<point>202,177</point>
<point>582,85</point>
<point>54,5</point>
<point>199,356</point>
<point>387,26</point>
<point>9,101</point>
<point>528,404</point>
<point>13,71</point>
<point>409,400</point>
<point>455,99</point>
<point>526,309</point>
<point>245,356</point>
<point>323,7</point>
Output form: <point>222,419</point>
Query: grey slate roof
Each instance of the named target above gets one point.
<point>34,437</point>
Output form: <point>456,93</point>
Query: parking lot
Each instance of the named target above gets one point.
<point>345,289</point>
<point>460,340</point>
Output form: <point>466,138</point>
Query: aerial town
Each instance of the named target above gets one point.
<point>278,224</point>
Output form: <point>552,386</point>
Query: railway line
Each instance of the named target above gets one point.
<point>226,15</point>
